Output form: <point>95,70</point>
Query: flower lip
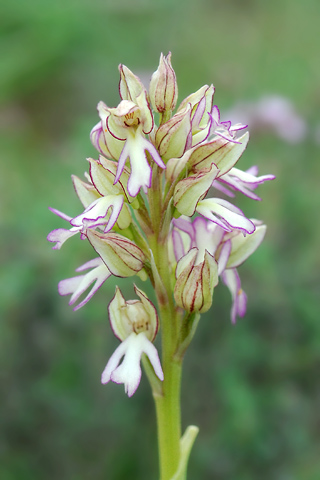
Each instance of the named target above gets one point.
<point>141,172</point>
<point>129,371</point>
<point>60,236</point>
<point>244,182</point>
<point>76,286</point>
<point>231,217</point>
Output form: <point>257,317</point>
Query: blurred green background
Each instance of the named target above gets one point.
<point>253,388</point>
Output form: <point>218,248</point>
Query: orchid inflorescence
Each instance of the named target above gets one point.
<point>153,208</point>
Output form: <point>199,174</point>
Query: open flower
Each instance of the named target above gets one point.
<point>135,323</point>
<point>128,123</point>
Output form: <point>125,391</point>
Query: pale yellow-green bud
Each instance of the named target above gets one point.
<point>195,282</point>
<point>130,86</point>
<point>174,136</point>
<point>163,90</point>
<point>192,189</point>
<point>122,257</point>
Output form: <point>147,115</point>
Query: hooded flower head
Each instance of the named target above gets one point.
<point>129,123</point>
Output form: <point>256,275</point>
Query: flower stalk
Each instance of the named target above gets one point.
<point>152,208</point>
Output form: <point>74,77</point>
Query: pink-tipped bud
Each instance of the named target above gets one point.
<point>130,86</point>
<point>163,88</point>
<point>173,137</point>
<point>195,282</point>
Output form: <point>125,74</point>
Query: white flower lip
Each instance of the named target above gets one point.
<point>129,371</point>
<point>224,214</point>
<point>76,286</point>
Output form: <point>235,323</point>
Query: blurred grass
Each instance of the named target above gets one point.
<point>253,389</point>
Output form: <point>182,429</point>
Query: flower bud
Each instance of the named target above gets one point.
<point>163,88</point>
<point>130,85</point>
<point>122,257</point>
<point>173,138</point>
<point>201,104</point>
<point>191,189</point>
<point>223,153</point>
<point>195,282</point>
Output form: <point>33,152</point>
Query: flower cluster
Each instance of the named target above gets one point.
<point>157,182</point>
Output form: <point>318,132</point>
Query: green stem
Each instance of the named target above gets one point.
<point>167,400</point>
<point>168,403</point>
<point>169,420</point>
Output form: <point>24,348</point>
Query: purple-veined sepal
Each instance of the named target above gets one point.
<point>174,137</point>
<point>190,190</point>
<point>244,246</point>
<point>130,86</point>
<point>219,151</point>
<point>122,256</point>
<point>201,105</point>
<point>86,191</point>
<point>99,140</point>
